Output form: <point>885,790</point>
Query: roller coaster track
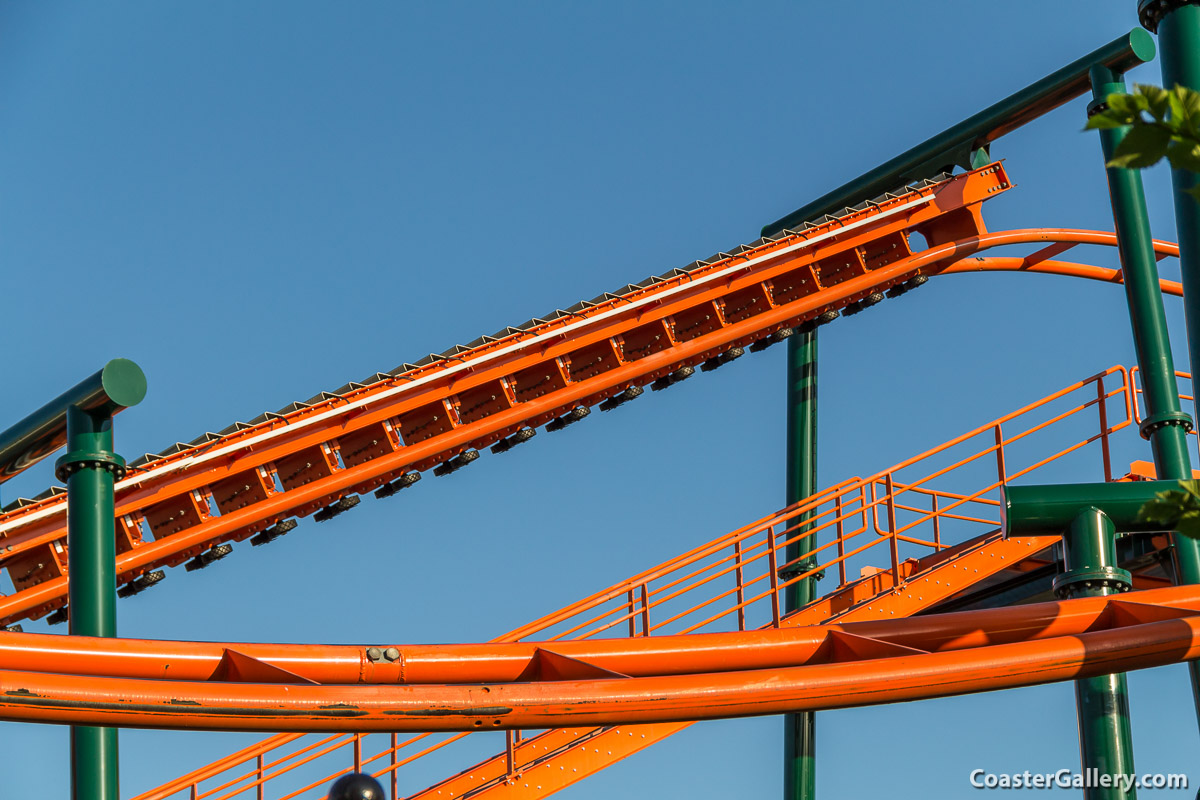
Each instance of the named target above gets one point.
<point>189,502</point>
<point>936,542</point>
<point>186,503</point>
<point>318,456</point>
<point>634,681</point>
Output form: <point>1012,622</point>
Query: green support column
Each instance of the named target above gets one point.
<point>1105,737</point>
<point>799,738</point>
<point>1166,425</point>
<point>90,469</point>
<point>1177,23</point>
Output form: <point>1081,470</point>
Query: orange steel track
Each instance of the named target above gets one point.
<point>230,486</point>
<point>562,756</point>
<point>531,685</point>
<point>883,510</point>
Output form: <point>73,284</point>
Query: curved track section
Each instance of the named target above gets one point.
<point>316,458</point>
<point>932,516</point>
<point>667,679</point>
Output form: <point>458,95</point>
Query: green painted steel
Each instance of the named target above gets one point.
<point>1179,40</point>
<point>801,451</point>
<point>1177,23</point>
<point>82,418</point>
<point>1048,510</point>
<point>119,385</point>
<point>799,738</point>
<point>958,145</point>
<point>89,468</point>
<point>1166,425</point>
<point>1102,703</point>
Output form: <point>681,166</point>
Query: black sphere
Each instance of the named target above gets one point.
<point>356,786</point>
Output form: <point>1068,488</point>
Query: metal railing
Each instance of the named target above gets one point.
<point>918,507</point>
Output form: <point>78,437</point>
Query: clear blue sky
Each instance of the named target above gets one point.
<point>261,201</point>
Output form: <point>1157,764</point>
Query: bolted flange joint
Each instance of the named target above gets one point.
<point>786,573</point>
<point>71,463</point>
<point>1154,422</point>
<point>1071,584</point>
<point>1151,12</point>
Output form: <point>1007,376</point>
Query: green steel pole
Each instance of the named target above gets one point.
<point>1166,425</point>
<point>1177,23</point>
<point>1105,736</point>
<point>90,468</point>
<point>799,738</point>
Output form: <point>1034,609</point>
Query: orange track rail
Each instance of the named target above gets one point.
<point>640,680</point>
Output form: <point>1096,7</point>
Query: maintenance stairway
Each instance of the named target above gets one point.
<point>931,521</point>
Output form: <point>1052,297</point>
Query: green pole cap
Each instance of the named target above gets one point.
<point>123,382</point>
<point>1142,44</point>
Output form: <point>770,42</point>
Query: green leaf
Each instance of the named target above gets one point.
<point>1185,111</point>
<point>1189,524</point>
<point>1184,155</point>
<point>1124,106</point>
<point>1164,509</point>
<point>1104,120</point>
<point>1154,100</point>
<point>1143,146</point>
<point>1191,488</point>
<point>1194,192</point>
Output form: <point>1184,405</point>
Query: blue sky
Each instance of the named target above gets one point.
<point>261,201</point>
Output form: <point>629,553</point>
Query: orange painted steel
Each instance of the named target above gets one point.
<point>1049,267</point>
<point>137,556</point>
<point>708,676</point>
<point>229,486</point>
<point>726,584</point>
<point>34,547</point>
<point>610,734</point>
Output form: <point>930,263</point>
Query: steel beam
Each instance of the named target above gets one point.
<point>1051,509</point>
<point>1165,425</point>
<point>956,145</point>
<point>117,386</point>
<point>1102,702</point>
<point>82,418</point>
<point>799,738</point>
